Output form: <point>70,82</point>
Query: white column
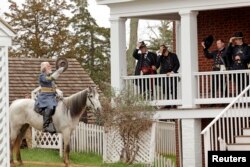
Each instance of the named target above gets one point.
<point>4,107</point>
<point>191,143</point>
<point>6,35</point>
<point>189,57</point>
<point>118,53</point>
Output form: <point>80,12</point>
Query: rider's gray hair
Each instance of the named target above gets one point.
<point>43,66</point>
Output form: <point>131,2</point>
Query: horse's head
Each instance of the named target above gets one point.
<point>93,99</point>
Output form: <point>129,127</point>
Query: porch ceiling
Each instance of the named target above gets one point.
<point>157,9</point>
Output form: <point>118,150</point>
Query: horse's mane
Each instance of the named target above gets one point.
<point>76,102</point>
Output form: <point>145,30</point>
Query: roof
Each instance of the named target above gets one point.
<point>7,28</point>
<point>24,72</point>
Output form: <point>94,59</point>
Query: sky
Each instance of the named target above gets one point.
<point>102,14</point>
<point>99,12</point>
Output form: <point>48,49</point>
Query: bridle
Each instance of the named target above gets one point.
<point>91,101</point>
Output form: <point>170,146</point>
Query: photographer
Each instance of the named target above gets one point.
<point>238,54</point>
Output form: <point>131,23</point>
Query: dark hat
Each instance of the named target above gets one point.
<point>238,35</point>
<point>208,41</point>
<point>163,45</point>
<point>62,62</point>
<point>142,45</point>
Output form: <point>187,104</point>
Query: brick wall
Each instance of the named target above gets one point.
<point>174,37</point>
<point>221,24</point>
<point>177,143</point>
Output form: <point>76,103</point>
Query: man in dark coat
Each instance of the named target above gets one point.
<point>169,64</point>
<point>46,100</point>
<point>146,65</point>
<point>220,64</point>
<point>238,54</point>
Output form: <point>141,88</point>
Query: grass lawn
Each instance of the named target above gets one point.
<point>172,157</point>
<point>52,156</point>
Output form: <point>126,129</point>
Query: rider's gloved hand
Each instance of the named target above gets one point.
<point>60,70</point>
<point>56,74</point>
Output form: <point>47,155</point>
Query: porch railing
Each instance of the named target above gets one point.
<point>228,124</point>
<point>214,87</point>
<point>223,85</point>
<point>157,89</point>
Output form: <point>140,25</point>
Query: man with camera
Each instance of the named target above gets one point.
<point>238,54</point>
<point>146,64</point>
<point>169,64</point>
<point>219,64</point>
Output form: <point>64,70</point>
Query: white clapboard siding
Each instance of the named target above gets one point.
<point>87,138</point>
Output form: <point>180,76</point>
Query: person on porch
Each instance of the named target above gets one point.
<point>219,64</point>
<point>146,65</point>
<point>169,64</point>
<point>238,54</point>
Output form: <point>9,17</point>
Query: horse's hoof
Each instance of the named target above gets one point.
<point>12,164</point>
<point>20,163</point>
<point>67,165</point>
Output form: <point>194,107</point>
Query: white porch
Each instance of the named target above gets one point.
<point>194,88</point>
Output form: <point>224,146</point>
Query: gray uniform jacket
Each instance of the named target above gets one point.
<point>46,99</point>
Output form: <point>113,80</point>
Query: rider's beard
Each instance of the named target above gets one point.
<point>49,71</point>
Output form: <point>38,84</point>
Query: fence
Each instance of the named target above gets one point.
<point>228,124</point>
<point>160,161</point>
<point>165,138</point>
<point>157,89</point>
<point>113,146</point>
<point>91,138</point>
<point>47,140</point>
<point>87,138</point>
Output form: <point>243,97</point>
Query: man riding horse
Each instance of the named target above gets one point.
<point>46,100</point>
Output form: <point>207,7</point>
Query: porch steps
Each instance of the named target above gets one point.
<point>242,143</point>
<point>238,147</point>
<point>242,139</point>
<point>246,132</point>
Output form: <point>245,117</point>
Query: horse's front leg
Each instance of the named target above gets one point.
<point>66,140</point>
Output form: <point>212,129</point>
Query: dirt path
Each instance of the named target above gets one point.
<point>50,164</point>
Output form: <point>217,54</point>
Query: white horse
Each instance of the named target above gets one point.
<point>65,119</point>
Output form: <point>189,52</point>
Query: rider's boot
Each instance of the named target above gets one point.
<point>48,125</point>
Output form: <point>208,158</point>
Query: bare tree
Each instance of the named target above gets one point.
<point>133,37</point>
<point>131,117</point>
